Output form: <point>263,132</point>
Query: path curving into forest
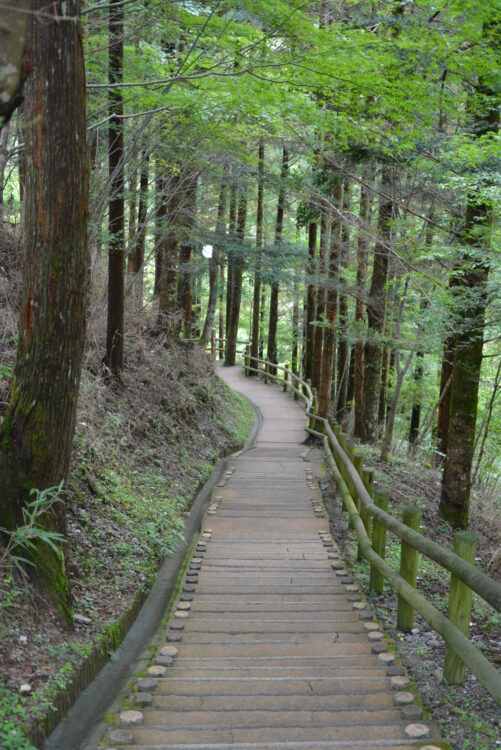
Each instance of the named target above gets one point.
<point>270,645</point>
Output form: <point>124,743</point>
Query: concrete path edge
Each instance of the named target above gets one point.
<point>83,726</point>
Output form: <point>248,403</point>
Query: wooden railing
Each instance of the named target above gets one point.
<point>368,514</point>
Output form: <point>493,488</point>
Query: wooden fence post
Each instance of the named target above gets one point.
<point>460,598</point>
<point>367,477</point>
<point>266,372</point>
<point>408,568</point>
<point>314,406</point>
<point>296,384</point>
<point>376,580</point>
<point>286,379</point>
<point>246,360</point>
<point>213,343</point>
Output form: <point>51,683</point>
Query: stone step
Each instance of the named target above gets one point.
<point>271,717</point>
<point>329,702</point>
<point>338,732</point>
<point>234,626</point>
<point>280,636</point>
<point>307,672</point>
<point>358,681</point>
<point>277,662</point>
<point>260,649</point>
<point>367,745</point>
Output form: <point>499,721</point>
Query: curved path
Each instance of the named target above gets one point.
<point>270,646</point>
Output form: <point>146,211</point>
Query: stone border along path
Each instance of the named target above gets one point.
<point>270,646</point>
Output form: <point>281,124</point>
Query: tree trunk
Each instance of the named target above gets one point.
<point>311,298</point>
<point>160,214</point>
<point>321,297</point>
<point>343,362</point>
<point>185,224</point>
<point>273,319</point>
<point>256,299</point>
<point>376,313</point>
<point>383,389</point>
<point>416,401</point>
<point>295,326</point>
<point>214,262</point>
<point>455,495</point>
<point>131,239</point>
<point>113,358</point>
<point>362,253</point>
<point>327,369</point>
<point>221,330</point>
<point>351,379</point>
<point>445,376</point>
<point>140,237</point>
<point>232,225</point>
<point>169,198</point>
<point>236,294</point>
<point>37,431</point>
<point>14,62</point>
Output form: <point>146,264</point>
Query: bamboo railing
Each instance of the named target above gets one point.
<point>368,515</point>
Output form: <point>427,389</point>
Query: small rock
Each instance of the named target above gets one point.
<point>379,648</point>
<point>416,731</point>
<point>157,671</point>
<point>23,639</point>
<point>176,625</point>
<point>386,658</point>
<point>147,684</point>
<point>131,718</point>
<point>144,699</point>
<point>25,688</point>
<point>399,682</point>
<point>371,626</point>
<point>396,670</point>
<point>181,613</point>
<point>375,635</point>
<point>169,651</point>
<point>121,737</point>
<point>412,711</point>
<point>164,661</point>
<point>82,620</point>
<point>359,605</point>
<point>403,698</point>
<point>364,615</point>
<point>184,605</point>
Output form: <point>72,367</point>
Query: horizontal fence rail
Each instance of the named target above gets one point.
<point>354,483</point>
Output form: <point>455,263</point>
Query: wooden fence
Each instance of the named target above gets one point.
<point>368,515</point>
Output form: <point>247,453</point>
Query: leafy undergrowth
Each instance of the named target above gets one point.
<point>468,716</point>
<point>140,453</point>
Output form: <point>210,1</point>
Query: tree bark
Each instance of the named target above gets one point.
<point>273,318</point>
<point>236,294</point>
<point>232,225</point>
<point>185,224</point>
<point>113,358</point>
<point>214,262</point>
<point>362,256</point>
<point>256,299</point>
<point>327,369</point>
<point>140,235</point>
<point>321,297</point>
<point>455,495</point>
<point>343,348</point>
<point>15,60</point>
<point>4,154</point>
<point>169,196</point>
<point>37,431</point>
<point>311,298</point>
<point>376,314</point>
<point>131,239</point>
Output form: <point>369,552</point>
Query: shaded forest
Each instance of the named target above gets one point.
<point>317,180</point>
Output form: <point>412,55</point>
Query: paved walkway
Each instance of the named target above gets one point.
<point>270,646</point>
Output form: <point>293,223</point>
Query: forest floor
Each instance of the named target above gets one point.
<point>468,716</point>
<point>140,453</point>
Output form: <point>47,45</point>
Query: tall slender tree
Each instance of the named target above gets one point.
<point>114,355</point>
<point>37,431</point>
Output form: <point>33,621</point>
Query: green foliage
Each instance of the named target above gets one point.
<point>26,538</point>
<point>12,714</point>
